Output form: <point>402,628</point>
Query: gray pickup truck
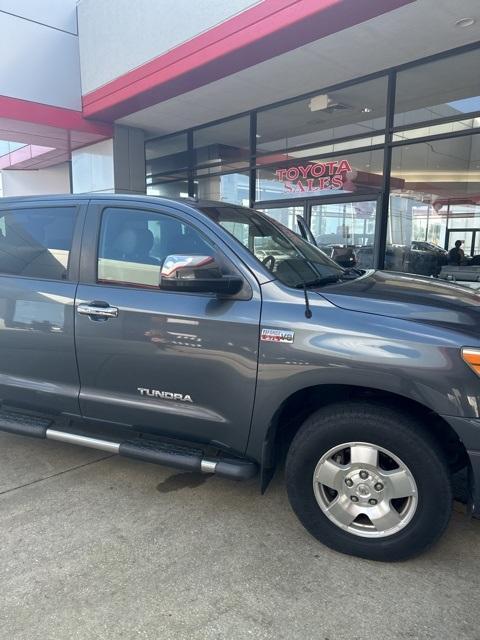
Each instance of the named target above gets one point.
<point>210,338</point>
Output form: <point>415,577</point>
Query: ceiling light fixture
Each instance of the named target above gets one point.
<point>326,104</point>
<point>463,23</point>
<point>367,109</point>
<point>319,103</point>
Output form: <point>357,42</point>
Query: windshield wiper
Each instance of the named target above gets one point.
<point>353,272</point>
<point>318,282</point>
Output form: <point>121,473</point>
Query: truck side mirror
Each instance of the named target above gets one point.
<point>197,274</point>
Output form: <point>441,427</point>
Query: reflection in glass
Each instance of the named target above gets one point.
<point>345,231</point>
<point>225,145</point>
<point>166,154</point>
<point>42,316</point>
<point>232,187</point>
<point>169,186</point>
<point>36,242</point>
<point>357,110</point>
<point>435,192</point>
<point>437,129</point>
<point>440,89</point>
<point>286,215</point>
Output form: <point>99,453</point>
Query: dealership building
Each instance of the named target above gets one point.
<point>361,116</point>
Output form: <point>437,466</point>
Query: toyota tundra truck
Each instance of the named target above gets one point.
<point>207,337</point>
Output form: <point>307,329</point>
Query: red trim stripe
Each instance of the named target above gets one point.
<point>44,114</point>
<point>257,34</point>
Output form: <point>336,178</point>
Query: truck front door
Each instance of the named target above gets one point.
<point>176,364</point>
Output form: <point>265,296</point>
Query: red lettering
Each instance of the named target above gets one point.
<point>305,170</point>
<point>343,166</point>
<point>332,167</point>
<point>335,170</point>
<point>337,182</point>
<point>318,169</point>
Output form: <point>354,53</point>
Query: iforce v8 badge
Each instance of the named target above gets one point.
<point>277,335</point>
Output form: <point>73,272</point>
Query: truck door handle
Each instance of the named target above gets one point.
<point>98,310</point>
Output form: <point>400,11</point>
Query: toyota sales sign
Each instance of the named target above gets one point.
<point>317,176</point>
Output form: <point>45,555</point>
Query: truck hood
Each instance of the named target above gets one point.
<point>408,297</point>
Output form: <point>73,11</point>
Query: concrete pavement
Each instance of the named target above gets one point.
<point>98,547</point>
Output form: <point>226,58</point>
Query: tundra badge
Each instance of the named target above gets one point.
<point>164,395</point>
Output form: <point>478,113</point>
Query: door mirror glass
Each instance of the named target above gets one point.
<point>197,274</point>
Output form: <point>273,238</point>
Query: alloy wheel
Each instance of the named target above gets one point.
<point>365,489</point>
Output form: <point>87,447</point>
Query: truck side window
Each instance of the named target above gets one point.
<point>134,243</point>
<point>36,242</point>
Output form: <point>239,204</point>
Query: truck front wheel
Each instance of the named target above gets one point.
<point>369,481</point>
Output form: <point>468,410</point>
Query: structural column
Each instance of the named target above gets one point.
<point>128,160</point>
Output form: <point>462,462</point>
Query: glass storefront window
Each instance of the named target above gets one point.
<point>445,88</point>
<point>357,110</point>
<point>345,231</point>
<point>352,173</point>
<point>230,187</point>
<point>437,129</point>
<point>321,157</point>
<point>285,215</point>
<point>169,186</point>
<point>225,146</point>
<point>166,154</point>
<point>470,241</point>
<point>435,191</point>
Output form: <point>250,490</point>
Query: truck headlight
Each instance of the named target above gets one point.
<point>472,358</point>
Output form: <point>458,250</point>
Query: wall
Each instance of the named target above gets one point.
<point>39,52</point>
<point>34,183</point>
<point>119,35</point>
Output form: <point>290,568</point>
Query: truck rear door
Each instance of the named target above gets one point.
<point>39,255</point>
<point>177,364</point>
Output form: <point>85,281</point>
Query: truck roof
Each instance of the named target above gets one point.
<point>113,196</point>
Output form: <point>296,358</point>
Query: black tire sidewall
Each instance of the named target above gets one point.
<point>398,434</point>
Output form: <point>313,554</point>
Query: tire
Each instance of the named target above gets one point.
<point>408,461</point>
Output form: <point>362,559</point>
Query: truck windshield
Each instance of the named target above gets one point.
<point>291,259</point>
